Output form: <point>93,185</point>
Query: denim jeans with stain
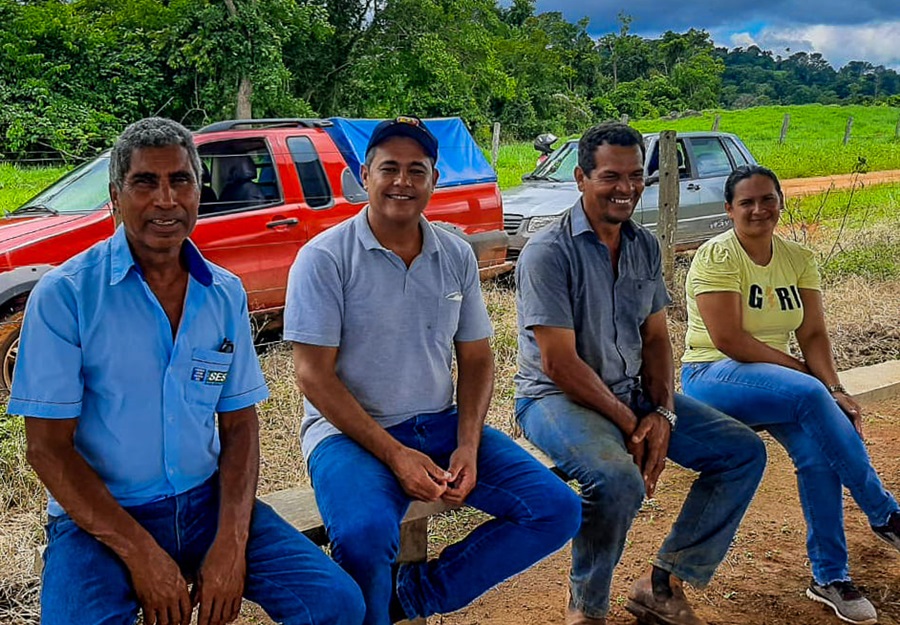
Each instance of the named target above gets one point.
<point>586,445</point>
<point>800,413</point>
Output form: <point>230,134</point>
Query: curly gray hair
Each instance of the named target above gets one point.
<point>151,132</point>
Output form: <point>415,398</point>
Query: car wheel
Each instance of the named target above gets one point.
<point>10,328</point>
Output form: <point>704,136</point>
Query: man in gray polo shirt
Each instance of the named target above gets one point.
<point>376,308</point>
<point>595,391</point>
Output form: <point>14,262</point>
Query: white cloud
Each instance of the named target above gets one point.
<point>876,43</point>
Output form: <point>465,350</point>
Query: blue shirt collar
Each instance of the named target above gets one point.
<point>367,237</point>
<point>122,260</point>
<point>580,223</point>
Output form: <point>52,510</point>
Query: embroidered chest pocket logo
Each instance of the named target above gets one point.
<point>209,372</point>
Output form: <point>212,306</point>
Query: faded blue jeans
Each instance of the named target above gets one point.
<point>84,582</point>
<point>800,413</point>
<point>591,449</point>
<point>362,504</point>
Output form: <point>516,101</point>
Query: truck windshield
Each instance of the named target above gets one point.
<point>82,190</point>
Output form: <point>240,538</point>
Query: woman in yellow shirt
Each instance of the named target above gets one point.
<point>747,290</point>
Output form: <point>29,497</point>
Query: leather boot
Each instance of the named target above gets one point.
<point>654,610</point>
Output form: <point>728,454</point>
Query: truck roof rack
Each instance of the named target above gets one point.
<point>286,122</point>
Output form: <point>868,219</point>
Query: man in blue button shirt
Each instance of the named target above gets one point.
<point>130,354</point>
<point>377,306</point>
<point>595,391</point>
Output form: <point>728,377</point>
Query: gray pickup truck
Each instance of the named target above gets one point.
<point>705,160</point>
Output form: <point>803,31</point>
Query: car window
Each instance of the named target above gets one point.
<point>710,157</point>
<point>560,166</point>
<point>653,160</point>
<point>237,175</point>
<point>314,182</point>
<point>735,151</point>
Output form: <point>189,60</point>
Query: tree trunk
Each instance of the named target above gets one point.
<point>243,107</point>
<point>244,96</point>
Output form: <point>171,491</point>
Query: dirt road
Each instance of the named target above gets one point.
<point>799,187</point>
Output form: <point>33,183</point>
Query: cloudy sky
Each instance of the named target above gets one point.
<point>842,30</point>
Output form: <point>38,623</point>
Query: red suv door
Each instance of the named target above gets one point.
<point>244,223</point>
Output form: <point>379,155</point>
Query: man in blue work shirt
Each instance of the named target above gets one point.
<point>595,391</point>
<point>129,353</point>
<point>377,306</point>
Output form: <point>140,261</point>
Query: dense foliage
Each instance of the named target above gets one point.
<point>74,72</point>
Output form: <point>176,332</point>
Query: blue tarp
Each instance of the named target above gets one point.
<point>460,160</point>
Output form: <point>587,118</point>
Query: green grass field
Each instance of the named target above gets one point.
<point>813,147</point>
<point>19,184</point>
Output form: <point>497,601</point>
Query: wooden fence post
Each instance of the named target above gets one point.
<point>849,130</point>
<point>495,145</point>
<point>718,119</point>
<point>897,129</point>
<point>668,203</point>
<point>784,127</point>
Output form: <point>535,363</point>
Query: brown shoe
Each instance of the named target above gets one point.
<point>577,617</point>
<point>652,610</point>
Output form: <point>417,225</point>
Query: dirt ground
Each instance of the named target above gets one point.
<point>766,573</point>
<point>761,582</point>
<point>799,187</point>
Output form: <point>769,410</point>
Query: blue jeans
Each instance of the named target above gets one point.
<point>591,449</point>
<point>798,411</point>
<point>84,582</point>
<point>362,504</point>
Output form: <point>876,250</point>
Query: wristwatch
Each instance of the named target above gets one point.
<point>668,415</point>
<point>836,388</point>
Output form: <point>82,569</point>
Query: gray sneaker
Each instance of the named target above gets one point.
<point>846,600</point>
<point>890,533</point>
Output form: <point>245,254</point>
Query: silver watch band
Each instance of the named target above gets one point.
<point>668,415</point>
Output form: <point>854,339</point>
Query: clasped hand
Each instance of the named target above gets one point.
<point>424,480</point>
<point>649,445</point>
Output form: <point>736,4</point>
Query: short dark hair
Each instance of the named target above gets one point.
<point>611,133</point>
<point>151,132</point>
<point>748,171</point>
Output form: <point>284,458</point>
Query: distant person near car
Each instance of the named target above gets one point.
<point>377,307</point>
<point>748,290</point>
<point>595,391</point>
<point>138,380</point>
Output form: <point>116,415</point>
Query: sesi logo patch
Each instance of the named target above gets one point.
<point>216,377</point>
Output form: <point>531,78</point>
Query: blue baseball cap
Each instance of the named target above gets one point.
<point>408,126</point>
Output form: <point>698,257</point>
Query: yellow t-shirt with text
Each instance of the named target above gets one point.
<point>770,296</point>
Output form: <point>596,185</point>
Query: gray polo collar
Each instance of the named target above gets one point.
<point>367,237</point>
